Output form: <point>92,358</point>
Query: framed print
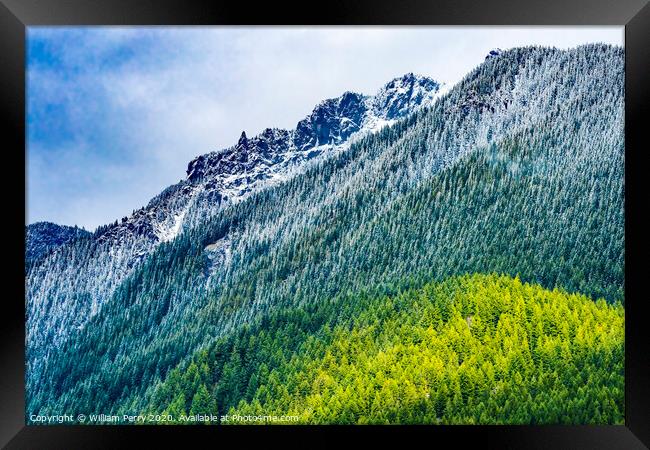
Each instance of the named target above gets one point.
<point>414,219</point>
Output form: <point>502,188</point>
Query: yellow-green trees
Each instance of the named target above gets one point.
<point>483,349</point>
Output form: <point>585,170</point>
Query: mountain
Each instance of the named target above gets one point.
<point>270,156</point>
<point>274,154</point>
<point>518,170</point>
<point>69,288</point>
<point>43,237</point>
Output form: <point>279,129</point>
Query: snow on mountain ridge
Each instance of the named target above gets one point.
<point>43,237</point>
<point>214,180</point>
<point>332,122</point>
<point>402,94</point>
<point>220,177</point>
<point>504,96</point>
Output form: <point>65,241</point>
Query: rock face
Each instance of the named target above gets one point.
<point>333,122</point>
<point>220,177</point>
<point>43,237</point>
<point>75,287</point>
<point>494,52</point>
<point>401,95</point>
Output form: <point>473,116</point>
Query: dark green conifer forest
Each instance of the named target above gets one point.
<point>480,349</point>
<point>463,266</point>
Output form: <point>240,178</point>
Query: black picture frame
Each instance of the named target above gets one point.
<point>16,15</point>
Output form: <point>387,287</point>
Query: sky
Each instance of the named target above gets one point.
<point>114,114</point>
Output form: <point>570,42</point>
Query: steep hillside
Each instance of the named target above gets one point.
<point>480,349</point>
<point>70,286</point>
<point>518,169</point>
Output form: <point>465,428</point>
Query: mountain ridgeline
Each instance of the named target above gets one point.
<point>43,237</point>
<point>69,288</point>
<point>517,170</point>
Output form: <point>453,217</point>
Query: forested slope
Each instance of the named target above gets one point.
<point>474,349</point>
<point>518,170</point>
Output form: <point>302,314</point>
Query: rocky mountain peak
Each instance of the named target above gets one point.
<point>332,122</point>
<point>269,157</point>
<point>402,95</point>
<point>243,140</point>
